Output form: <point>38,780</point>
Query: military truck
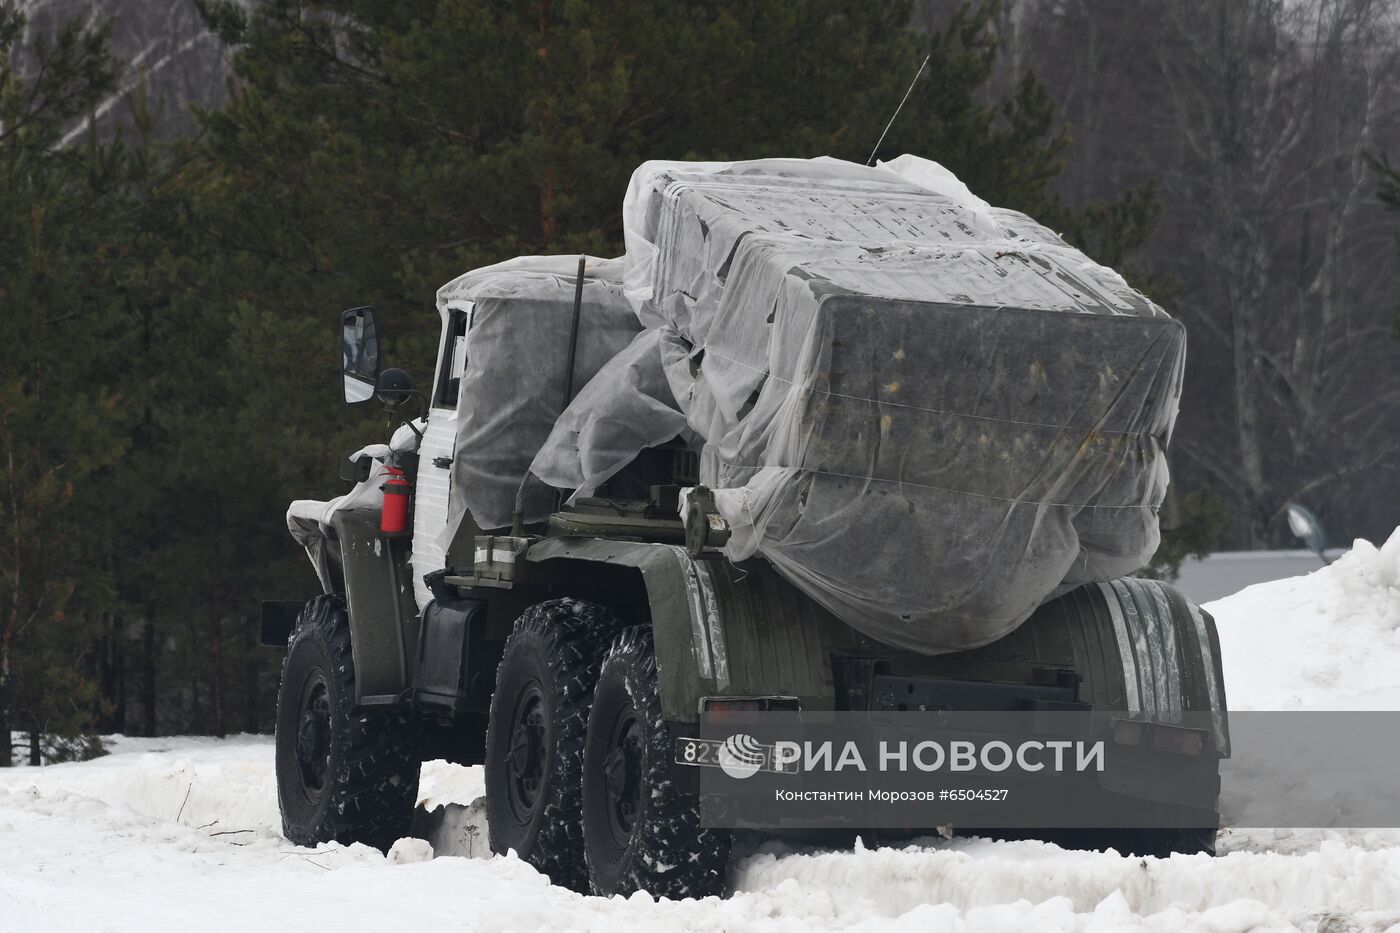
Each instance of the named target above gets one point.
<point>566,644</point>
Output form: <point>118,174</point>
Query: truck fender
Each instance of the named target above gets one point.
<point>720,628</point>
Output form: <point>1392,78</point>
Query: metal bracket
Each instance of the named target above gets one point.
<point>704,526</point>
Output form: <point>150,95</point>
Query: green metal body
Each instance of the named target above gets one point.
<point>723,629</point>
<point>727,629</point>
<point>740,630</point>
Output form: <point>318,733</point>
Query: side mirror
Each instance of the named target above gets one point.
<point>393,387</point>
<point>359,354</point>
<point>355,471</point>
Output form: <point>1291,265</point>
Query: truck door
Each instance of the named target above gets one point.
<point>433,486</point>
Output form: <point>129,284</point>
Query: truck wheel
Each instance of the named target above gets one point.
<point>640,833</point>
<point>534,740</point>
<point>343,774</point>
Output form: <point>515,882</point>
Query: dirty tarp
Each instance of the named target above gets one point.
<point>926,412</point>
<point>514,381</point>
<point>624,409</point>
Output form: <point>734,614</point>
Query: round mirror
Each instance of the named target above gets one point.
<point>393,388</point>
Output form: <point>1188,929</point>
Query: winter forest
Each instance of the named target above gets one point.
<point>194,189</point>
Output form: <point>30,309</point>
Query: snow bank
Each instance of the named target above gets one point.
<point>1008,878</point>
<point>1327,640</point>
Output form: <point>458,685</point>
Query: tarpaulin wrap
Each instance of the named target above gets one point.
<point>513,385</point>
<point>927,413</point>
<point>624,409</point>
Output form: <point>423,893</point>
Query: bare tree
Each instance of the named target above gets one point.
<point>1256,118</point>
<point>1271,107</point>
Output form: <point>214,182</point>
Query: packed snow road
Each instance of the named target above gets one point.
<point>182,834</point>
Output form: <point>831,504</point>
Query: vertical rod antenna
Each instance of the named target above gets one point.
<point>518,516</point>
<point>568,378</point>
<point>899,108</point>
<point>573,336</point>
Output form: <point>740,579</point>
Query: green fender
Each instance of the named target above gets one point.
<point>720,628</point>
<point>1139,646</point>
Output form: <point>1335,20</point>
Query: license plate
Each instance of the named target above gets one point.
<point>739,755</point>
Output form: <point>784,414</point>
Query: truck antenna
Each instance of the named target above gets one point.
<point>568,387</point>
<point>517,518</point>
<point>899,108</point>
<point>573,336</point>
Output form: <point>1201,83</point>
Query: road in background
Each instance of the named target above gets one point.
<point>1219,575</point>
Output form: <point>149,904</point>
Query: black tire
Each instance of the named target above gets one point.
<point>343,774</point>
<point>640,833</point>
<point>534,741</point>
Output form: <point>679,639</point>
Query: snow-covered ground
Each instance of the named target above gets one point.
<point>182,834</point>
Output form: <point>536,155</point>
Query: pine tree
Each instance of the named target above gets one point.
<point>60,416</point>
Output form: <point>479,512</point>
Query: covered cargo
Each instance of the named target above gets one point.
<point>517,325</point>
<point>926,412</point>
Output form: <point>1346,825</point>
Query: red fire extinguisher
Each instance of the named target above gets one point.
<point>393,520</point>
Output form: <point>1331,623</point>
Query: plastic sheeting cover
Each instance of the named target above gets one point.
<point>624,409</point>
<point>513,385</point>
<point>926,412</point>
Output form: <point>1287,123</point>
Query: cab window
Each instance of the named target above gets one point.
<point>454,360</point>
